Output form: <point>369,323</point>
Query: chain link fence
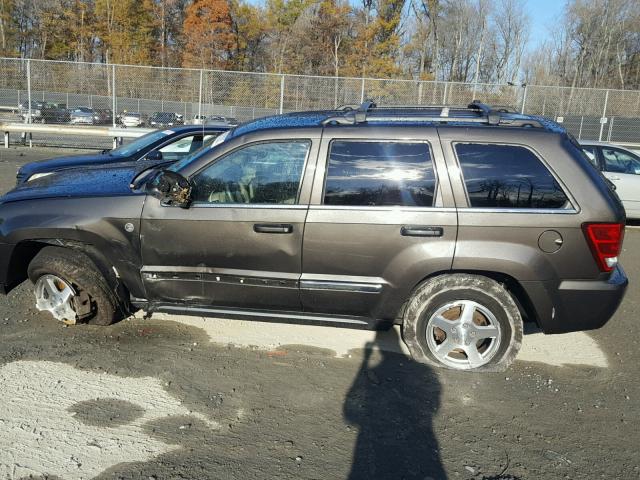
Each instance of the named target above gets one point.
<point>53,89</point>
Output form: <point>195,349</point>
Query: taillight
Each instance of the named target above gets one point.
<point>605,241</point>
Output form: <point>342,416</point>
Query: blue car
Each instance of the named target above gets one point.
<point>161,146</point>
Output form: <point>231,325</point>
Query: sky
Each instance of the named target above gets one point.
<point>543,13</point>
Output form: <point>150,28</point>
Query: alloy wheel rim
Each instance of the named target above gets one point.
<point>463,335</point>
<point>55,296</point>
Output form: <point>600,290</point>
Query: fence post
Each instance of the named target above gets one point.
<point>610,129</point>
<point>524,99</point>
<point>580,130</point>
<point>444,97</point>
<point>604,112</point>
<point>362,91</point>
<point>281,94</point>
<point>114,104</point>
<point>200,98</point>
<point>28,91</point>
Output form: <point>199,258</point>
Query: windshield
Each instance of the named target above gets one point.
<point>198,153</point>
<point>140,143</point>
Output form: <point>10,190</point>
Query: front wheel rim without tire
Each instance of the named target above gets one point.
<point>55,296</point>
<point>463,335</point>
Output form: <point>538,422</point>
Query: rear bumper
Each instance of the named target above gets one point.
<point>575,305</point>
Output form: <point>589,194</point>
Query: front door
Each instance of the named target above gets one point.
<point>381,219</point>
<point>239,244</point>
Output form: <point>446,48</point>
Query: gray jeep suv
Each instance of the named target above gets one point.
<point>456,223</point>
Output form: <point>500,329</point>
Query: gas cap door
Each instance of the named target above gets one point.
<point>550,241</point>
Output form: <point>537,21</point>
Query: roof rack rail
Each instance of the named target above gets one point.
<point>483,114</point>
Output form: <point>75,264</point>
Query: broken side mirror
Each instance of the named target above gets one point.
<point>171,188</point>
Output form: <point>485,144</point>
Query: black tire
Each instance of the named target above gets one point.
<point>435,294</point>
<point>77,269</point>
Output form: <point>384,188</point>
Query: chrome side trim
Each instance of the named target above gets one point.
<point>340,286</point>
<point>168,269</point>
<point>251,313</point>
<point>250,206</point>
<point>555,211</point>
<point>398,208</point>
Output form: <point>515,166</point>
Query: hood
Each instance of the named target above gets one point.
<point>58,163</point>
<point>98,181</point>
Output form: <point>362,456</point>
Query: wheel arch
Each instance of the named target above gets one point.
<point>26,250</point>
<point>511,284</point>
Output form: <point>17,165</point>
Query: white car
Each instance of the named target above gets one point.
<point>621,166</point>
<point>83,116</point>
<point>132,119</point>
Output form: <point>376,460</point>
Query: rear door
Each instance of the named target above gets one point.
<point>623,169</point>
<point>381,219</point>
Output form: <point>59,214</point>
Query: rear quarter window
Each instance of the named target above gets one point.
<point>507,176</point>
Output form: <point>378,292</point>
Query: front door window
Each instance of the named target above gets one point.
<point>261,173</point>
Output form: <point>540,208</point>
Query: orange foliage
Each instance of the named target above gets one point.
<point>208,34</point>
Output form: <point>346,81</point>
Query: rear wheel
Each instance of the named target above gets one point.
<point>68,285</point>
<point>463,322</point>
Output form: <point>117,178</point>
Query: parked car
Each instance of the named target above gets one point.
<point>160,146</point>
<point>55,113</point>
<point>131,119</point>
<point>220,120</point>
<point>198,119</point>
<point>36,110</point>
<point>105,116</point>
<point>164,119</point>
<point>622,167</point>
<point>83,116</point>
<point>456,223</point>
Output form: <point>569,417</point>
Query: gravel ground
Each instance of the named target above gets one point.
<point>183,398</point>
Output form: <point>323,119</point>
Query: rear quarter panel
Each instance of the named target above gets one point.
<point>507,241</point>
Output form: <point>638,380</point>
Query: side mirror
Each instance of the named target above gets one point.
<point>154,155</point>
<point>170,188</point>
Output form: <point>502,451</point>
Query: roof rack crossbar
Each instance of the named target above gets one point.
<point>368,110</point>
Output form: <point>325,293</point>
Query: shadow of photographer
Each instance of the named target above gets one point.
<point>393,401</point>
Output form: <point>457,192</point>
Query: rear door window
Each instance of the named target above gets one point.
<point>507,176</point>
<point>362,173</point>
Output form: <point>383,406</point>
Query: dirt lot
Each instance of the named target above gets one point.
<point>187,398</point>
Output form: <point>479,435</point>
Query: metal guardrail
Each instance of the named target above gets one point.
<point>118,133</point>
<point>29,128</point>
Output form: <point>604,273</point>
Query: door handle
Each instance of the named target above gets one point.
<point>273,228</point>
<point>421,231</point>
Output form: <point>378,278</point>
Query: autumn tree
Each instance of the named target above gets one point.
<point>208,34</point>
<point>170,18</point>
<point>287,20</point>
<point>6,24</point>
<point>249,34</point>
<point>126,31</point>
<point>376,42</point>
